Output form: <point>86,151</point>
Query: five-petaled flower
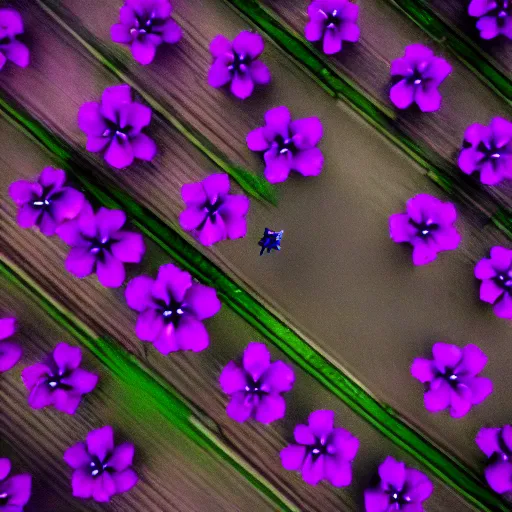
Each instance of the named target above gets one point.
<point>15,490</point>
<point>212,214</point>
<point>11,26</point>
<point>451,379</point>
<point>495,17</point>
<point>171,309</point>
<point>488,150</point>
<point>10,353</point>
<point>270,241</point>
<point>496,276</point>
<point>99,244</point>
<point>101,469</point>
<point>332,21</point>
<point>288,145</point>
<point>47,203</point>
<point>237,63</point>
<point>399,488</point>
<point>256,385</point>
<point>144,25</point>
<point>322,451</point>
<point>496,443</point>
<point>59,380</point>
<point>416,77</point>
<point>116,125</point>
<point>428,225</point>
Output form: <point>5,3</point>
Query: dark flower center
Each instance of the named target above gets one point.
<point>240,63</point>
<point>502,11</point>
<point>55,381</point>
<point>491,151</point>
<point>99,246</point>
<point>398,498</point>
<point>145,24</point>
<point>4,499</point>
<point>5,40</point>
<point>255,388</point>
<point>332,20</point>
<point>416,77</point>
<point>504,280</point>
<point>171,312</point>
<point>426,228</point>
<point>98,467</point>
<point>321,447</point>
<point>285,145</point>
<point>41,203</point>
<point>117,132</point>
<point>451,377</point>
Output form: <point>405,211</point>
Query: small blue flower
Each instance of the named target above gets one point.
<point>271,240</point>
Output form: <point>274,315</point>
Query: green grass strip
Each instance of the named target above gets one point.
<point>441,171</point>
<point>481,64</point>
<point>304,354</point>
<point>143,385</point>
<point>254,185</point>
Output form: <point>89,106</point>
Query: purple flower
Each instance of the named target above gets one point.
<point>416,77</point>
<point>237,63</point>
<point>496,276</point>
<point>332,21</point>
<point>451,378</point>
<point>288,145</point>
<point>172,308</point>
<point>496,443</point>
<point>488,149</point>
<point>495,17</point>
<point>101,469</point>
<point>256,386</point>
<point>46,203</point>
<point>427,226</point>
<point>399,488</point>
<point>212,213</point>
<point>58,380</point>
<point>322,451</point>
<point>11,26</point>
<point>15,490</point>
<point>10,353</point>
<point>145,25</point>
<point>99,244</point>
<point>116,124</point>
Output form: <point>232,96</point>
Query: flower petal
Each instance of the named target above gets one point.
<point>419,486</point>
<point>219,74</point>
<point>82,483</point>
<point>375,500</point>
<point>309,162</point>
<point>503,308</point>
<point>487,440</point>
<point>271,408</point>
<point>7,327</point>
<point>438,399</point>
<point>402,95</point>
<point>119,154</point>
<point>171,32</point>
<point>256,359</point>
<point>149,325</point>
<point>392,472</point>
<point>292,457</point>
<point>446,356</point>
<point>110,271</point>
<point>242,85</point>
<point>144,147</point>
<point>499,477</point>
<point>481,388</point>
<point>5,468</point>
<point>31,375</point>
<point>304,435</point>
<point>428,100</point>
<point>203,301</point>
<point>321,422</point>
<point>100,442</point>
<point>125,480</point>
<point>313,470</point>
<point>120,33</point>
<point>129,247</point>
<point>232,378</point>
<point>279,377</point>
<point>422,369</point>
<point>143,51</point>
<point>338,471</point>
<point>10,354</point>
<point>307,131</point>
<point>91,120</point>
<point>67,357</point>
<point>249,43</point>
<point>192,335</point>
<point>239,409</point>
<point>138,293</point>
<point>332,41</point>
<point>473,360</point>
<point>122,457</point>
<point>259,72</point>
